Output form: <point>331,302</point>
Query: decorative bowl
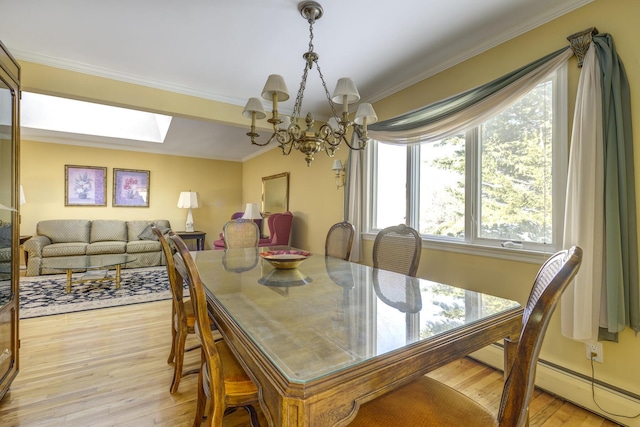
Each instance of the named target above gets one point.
<point>285,259</point>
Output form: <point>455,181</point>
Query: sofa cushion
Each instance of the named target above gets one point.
<point>65,230</point>
<point>113,247</point>
<point>140,246</point>
<point>105,230</point>
<point>64,249</point>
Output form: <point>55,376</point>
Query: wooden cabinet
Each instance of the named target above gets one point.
<point>9,217</point>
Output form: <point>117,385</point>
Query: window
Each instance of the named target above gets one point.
<point>499,184</point>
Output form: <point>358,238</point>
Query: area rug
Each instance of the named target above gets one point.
<point>46,295</point>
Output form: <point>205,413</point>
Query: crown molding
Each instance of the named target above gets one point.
<point>93,70</point>
<point>524,27</point>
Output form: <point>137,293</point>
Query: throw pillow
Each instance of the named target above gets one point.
<point>148,234</point>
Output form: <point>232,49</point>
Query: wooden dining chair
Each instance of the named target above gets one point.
<point>339,240</point>
<point>222,381</point>
<point>182,316</point>
<point>240,233</point>
<point>428,402</point>
<point>397,248</point>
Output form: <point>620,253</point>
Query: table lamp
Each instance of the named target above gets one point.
<point>251,211</point>
<point>188,200</point>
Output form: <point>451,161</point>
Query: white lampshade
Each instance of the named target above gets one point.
<point>275,84</point>
<point>345,87</point>
<point>254,105</point>
<point>365,111</point>
<point>23,200</point>
<point>337,165</point>
<point>251,211</point>
<point>188,199</point>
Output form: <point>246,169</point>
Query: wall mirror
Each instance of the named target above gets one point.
<point>275,193</point>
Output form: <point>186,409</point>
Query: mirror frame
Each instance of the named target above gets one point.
<point>275,194</point>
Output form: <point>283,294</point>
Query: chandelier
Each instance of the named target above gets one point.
<point>286,130</point>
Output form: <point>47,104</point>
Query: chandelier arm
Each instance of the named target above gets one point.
<point>361,139</point>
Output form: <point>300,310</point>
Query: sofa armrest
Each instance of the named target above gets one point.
<point>34,245</point>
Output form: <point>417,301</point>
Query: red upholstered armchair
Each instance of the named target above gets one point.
<point>279,229</point>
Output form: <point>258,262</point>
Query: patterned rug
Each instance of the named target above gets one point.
<point>46,295</point>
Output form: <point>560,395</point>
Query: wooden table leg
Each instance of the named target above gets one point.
<point>118,276</point>
<point>69,274</point>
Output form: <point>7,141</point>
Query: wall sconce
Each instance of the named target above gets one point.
<point>188,200</point>
<point>340,173</point>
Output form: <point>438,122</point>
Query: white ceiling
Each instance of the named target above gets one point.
<point>224,50</point>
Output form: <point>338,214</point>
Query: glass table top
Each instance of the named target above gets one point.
<point>330,314</point>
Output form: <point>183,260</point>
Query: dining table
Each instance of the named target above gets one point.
<point>326,336</point>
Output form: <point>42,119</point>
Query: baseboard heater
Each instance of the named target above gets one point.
<point>574,387</point>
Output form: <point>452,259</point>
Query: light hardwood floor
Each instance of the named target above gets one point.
<point>109,367</point>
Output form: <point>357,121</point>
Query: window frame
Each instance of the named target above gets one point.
<point>472,243</point>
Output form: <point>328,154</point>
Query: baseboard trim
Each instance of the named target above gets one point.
<point>574,388</point>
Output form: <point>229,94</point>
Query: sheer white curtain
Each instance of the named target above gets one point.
<point>584,215</point>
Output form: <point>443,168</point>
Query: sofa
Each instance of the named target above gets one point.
<point>93,238</point>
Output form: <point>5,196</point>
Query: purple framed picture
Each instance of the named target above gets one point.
<point>130,188</point>
<point>85,185</point>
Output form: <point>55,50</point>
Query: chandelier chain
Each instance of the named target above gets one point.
<point>310,36</point>
<point>326,91</point>
<point>312,58</point>
<point>298,104</point>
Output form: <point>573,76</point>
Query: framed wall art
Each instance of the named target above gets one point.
<point>85,185</point>
<point>130,188</point>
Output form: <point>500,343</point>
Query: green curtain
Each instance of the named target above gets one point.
<point>440,110</point>
<point>621,234</point>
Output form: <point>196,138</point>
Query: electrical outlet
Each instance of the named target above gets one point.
<point>594,350</point>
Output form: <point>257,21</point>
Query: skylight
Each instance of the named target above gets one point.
<point>87,118</point>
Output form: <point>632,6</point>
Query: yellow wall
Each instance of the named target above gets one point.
<point>219,184</point>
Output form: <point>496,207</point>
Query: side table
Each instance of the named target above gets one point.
<point>198,236</point>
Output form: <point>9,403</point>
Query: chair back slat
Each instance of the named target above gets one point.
<point>175,281</point>
<point>211,363</point>
<point>552,279</point>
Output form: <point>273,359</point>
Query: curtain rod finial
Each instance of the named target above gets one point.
<point>580,42</point>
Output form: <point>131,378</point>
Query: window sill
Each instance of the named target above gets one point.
<point>520,255</point>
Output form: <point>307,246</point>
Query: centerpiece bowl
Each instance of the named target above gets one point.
<point>285,259</point>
